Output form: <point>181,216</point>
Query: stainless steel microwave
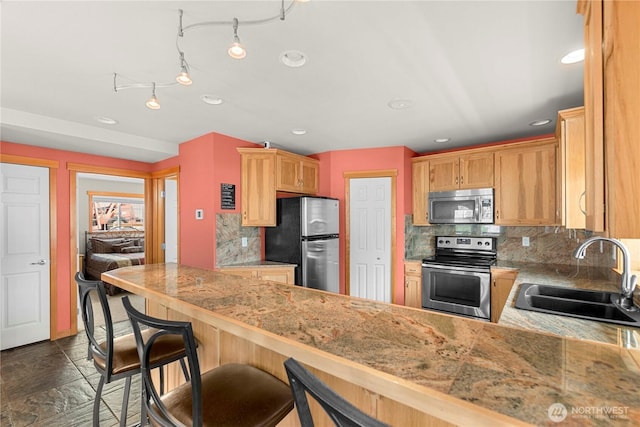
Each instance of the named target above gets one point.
<point>475,206</point>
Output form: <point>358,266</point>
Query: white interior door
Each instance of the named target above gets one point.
<point>24,254</point>
<point>171,220</point>
<point>370,238</point>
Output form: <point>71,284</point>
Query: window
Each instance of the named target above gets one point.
<point>108,211</point>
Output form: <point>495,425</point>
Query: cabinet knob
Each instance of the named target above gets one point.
<point>461,180</point>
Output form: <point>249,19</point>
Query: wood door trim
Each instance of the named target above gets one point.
<point>348,176</point>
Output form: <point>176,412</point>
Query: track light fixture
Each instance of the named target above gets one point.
<point>236,50</point>
<point>183,77</point>
<point>153,102</point>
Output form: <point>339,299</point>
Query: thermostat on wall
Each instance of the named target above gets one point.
<point>199,213</point>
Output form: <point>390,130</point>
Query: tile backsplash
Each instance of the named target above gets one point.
<point>547,245</point>
<point>229,234</point>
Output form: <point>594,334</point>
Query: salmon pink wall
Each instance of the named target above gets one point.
<point>205,163</point>
<point>334,164</point>
<point>62,195</point>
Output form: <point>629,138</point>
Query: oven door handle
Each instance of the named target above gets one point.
<point>468,268</point>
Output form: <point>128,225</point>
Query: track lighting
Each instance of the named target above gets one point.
<point>236,50</point>
<point>183,78</point>
<point>153,102</point>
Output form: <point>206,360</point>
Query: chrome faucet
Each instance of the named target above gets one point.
<point>627,282</point>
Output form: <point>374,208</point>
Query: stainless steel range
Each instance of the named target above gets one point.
<point>457,280</point>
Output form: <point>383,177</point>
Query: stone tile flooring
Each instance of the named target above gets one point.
<point>51,383</point>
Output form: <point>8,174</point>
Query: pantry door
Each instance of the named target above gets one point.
<point>24,255</point>
<point>370,245</point>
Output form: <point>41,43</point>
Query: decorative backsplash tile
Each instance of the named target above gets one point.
<point>229,234</point>
<point>547,245</point>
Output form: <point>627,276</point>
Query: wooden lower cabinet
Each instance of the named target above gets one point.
<point>501,284</point>
<point>275,274</point>
<point>413,284</point>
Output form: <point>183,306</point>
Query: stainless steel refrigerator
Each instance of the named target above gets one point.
<point>306,234</point>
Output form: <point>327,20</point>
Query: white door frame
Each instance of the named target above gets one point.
<point>348,176</point>
<point>52,165</point>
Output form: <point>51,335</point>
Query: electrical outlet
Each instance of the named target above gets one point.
<point>245,242</point>
<point>199,213</point>
<point>525,241</point>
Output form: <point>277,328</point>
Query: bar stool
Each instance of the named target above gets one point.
<point>117,358</point>
<point>229,395</point>
<point>341,412</point>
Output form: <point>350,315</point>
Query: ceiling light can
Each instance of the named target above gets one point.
<point>573,57</point>
<point>541,122</point>
<point>211,100</point>
<point>293,58</point>
<point>298,131</point>
<point>400,104</point>
<point>106,120</point>
<point>442,140</point>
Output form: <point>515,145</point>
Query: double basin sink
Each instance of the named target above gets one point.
<point>581,303</point>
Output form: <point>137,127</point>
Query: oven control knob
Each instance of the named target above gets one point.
<point>440,241</point>
<point>479,243</point>
<point>486,243</point>
<point>447,242</point>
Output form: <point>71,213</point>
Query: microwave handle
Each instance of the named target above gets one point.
<point>477,209</point>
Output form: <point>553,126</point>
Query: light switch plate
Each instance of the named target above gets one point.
<point>199,213</point>
<point>525,241</point>
<point>245,242</point>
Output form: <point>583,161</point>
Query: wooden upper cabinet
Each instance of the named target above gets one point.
<point>267,171</point>
<point>526,184</point>
<point>594,115</point>
<point>570,135</point>
<point>420,182</point>
<point>621,64</point>
<point>447,172</point>
<point>296,174</point>
<point>258,188</point>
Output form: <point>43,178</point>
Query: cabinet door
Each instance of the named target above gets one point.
<point>288,175</point>
<point>501,284</point>
<point>526,185</point>
<point>413,284</point>
<point>309,176</point>
<point>594,114</point>
<point>572,167</point>
<point>443,174</point>
<point>621,55</point>
<point>258,189</point>
<point>420,182</point>
<point>476,170</point>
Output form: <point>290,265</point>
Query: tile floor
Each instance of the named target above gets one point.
<point>51,383</point>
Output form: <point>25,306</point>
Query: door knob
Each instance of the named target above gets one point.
<point>41,262</point>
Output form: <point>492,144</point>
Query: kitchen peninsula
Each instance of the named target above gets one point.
<point>405,366</point>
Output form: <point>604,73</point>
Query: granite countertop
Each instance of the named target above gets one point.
<point>513,371</point>
<point>259,263</point>
<point>572,276</point>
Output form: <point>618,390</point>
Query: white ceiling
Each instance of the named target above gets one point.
<point>474,71</point>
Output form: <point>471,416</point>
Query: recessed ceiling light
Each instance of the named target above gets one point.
<point>400,104</point>
<point>442,140</point>
<point>106,120</point>
<point>540,122</point>
<point>293,58</point>
<point>213,100</point>
<point>573,57</point>
<point>298,131</point>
